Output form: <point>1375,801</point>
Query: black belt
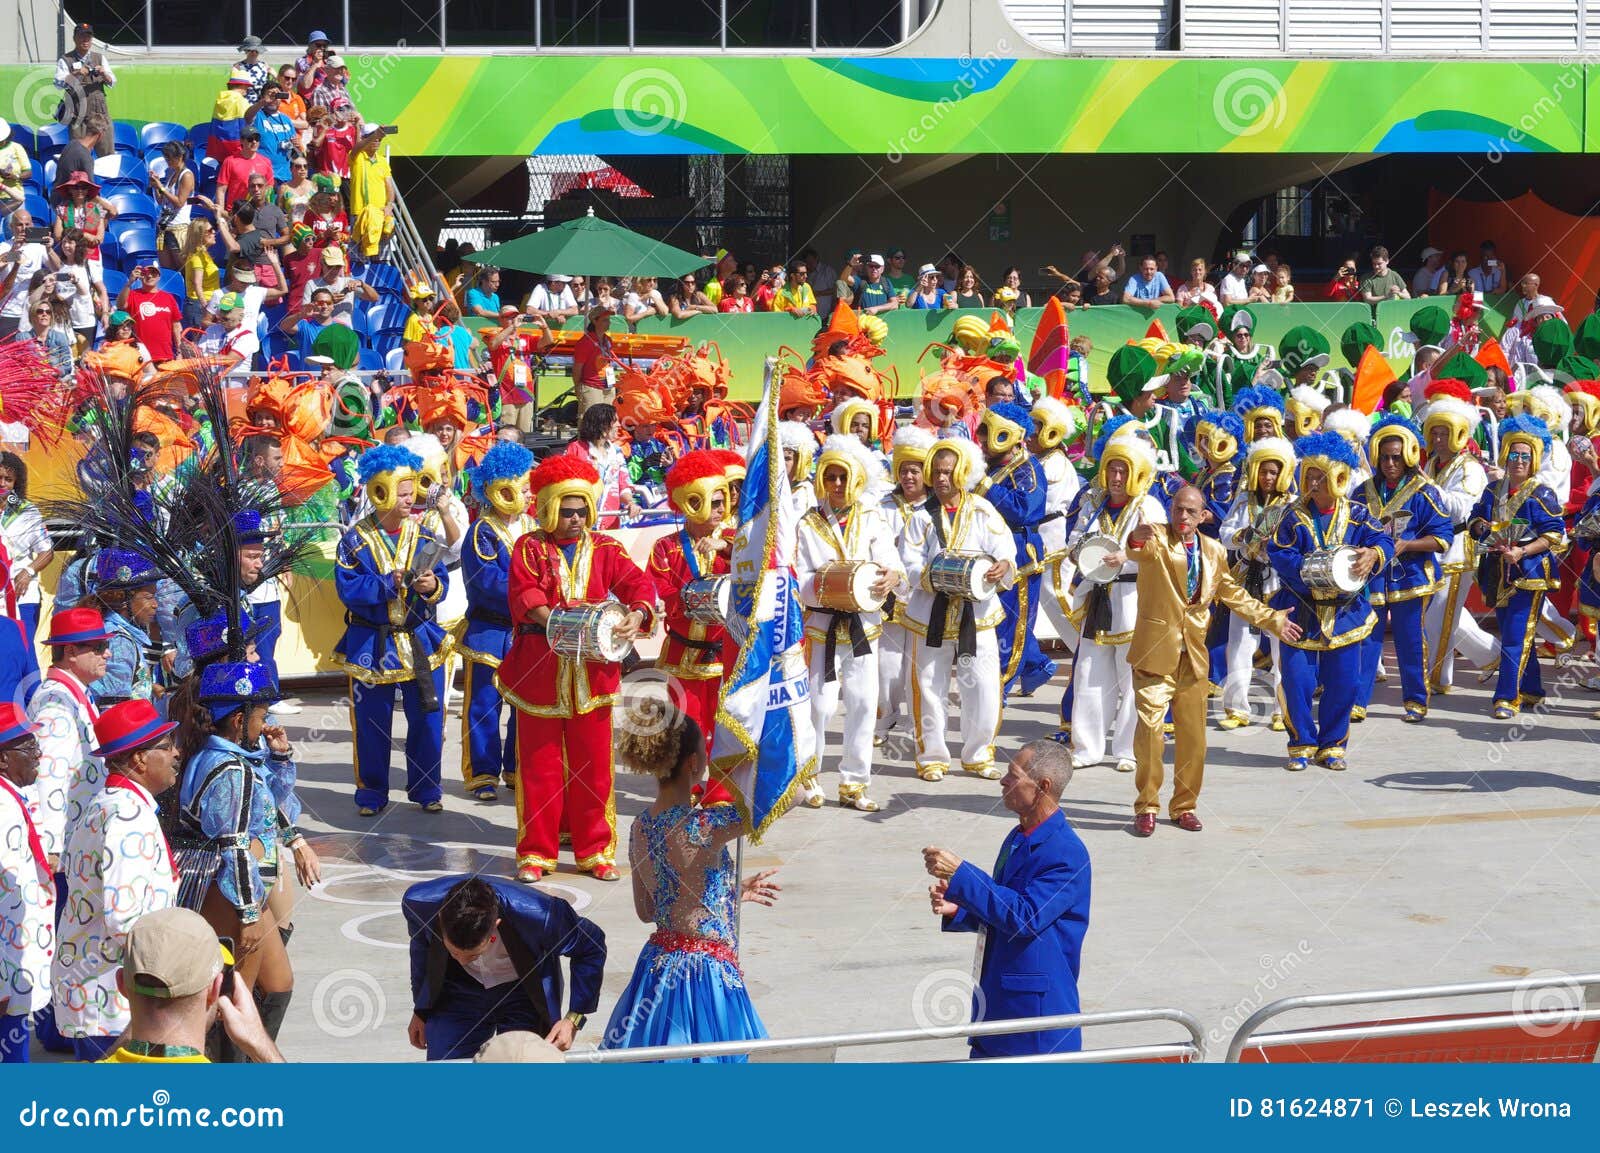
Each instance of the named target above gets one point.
<point>691,643</point>
<point>1050,516</point>
<point>531,630</point>
<point>859,645</point>
<point>966,630</point>
<point>453,566</point>
<point>421,675</point>
<point>484,616</point>
<point>1462,527</point>
<point>1097,608</point>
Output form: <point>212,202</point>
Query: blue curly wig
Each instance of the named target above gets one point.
<point>1329,445</point>
<point>1257,396</point>
<point>1016,414</point>
<point>1107,431</point>
<point>1527,425</point>
<point>505,461</point>
<point>386,458</point>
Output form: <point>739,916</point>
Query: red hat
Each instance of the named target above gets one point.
<point>128,726</point>
<point>555,469</point>
<point>1451,388</point>
<point>14,723</point>
<point>77,626</point>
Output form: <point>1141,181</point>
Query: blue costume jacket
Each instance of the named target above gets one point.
<point>486,568</point>
<point>128,673</point>
<point>1418,504</point>
<point>1532,511</point>
<point>225,803</point>
<point>1035,912</point>
<point>538,929</point>
<point>19,664</point>
<point>1216,484</point>
<point>380,613</point>
<point>1017,491</point>
<point>1329,620</point>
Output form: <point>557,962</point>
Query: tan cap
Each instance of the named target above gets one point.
<point>518,1047</point>
<point>171,953</point>
<point>332,255</point>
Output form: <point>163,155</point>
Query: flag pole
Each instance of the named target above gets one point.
<point>738,887</point>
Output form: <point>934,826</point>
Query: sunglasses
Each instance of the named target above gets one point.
<point>29,747</point>
<point>1524,457</point>
<point>573,513</point>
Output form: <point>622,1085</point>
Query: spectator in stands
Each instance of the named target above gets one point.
<point>642,300</point>
<point>455,336</point>
<point>1384,283</point>
<point>605,296</point>
<point>88,302</point>
<point>270,219</point>
<point>229,337</point>
<point>242,283</point>
<point>849,278</point>
<point>230,116</point>
<point>873,294</point>
<point>21,257</point>
<point>171,186</point>
<point>324,215</point>
<point>345,289</point>
<point>766,293</point>
<point>822,276</point>
<point>294,194</point>
<point>293,105</point>
<point>253,67</point>
<point>201,278</point>
<point>420,325</point>
<point>305,322</point>
<point>593,371</point>
<point>372,194</point>
<point>276,130</point>
<point>301,261</point>
<point>52,342</point>
<point>552,299</point>
<point>242,238</point>
<point>724,267</point>
<point>83,76</point>
<point>736,298</point>
<point>1490,274</point>
<point>233,177</point>
<point>1426,280</point>
<point>688,300</point>
<point>313,64</point>
<point>929,290</point>
<point>1235,286</point>
<point>334,138</point>
<point>332,92</point>
<point>79,154</point>
<point>596,443</point>
<point>1283,285</point>
<point>1071,295</point>
<point>1261,285</point>
<point>900,281</point>
<point>1456,278</point>
<point>1100,291</point>
<point>483,297</point>
<point>1345,285</point>
<point>1009,295</point>
<point>796,296</point>
<point>1197,290</point>
<point>79,205</point>
<point>969,293</point>
<point>15,168</point>
<point>1531,297</point>
<point>582,295</point>
<point>1147,288</point>
<point>157,318</point>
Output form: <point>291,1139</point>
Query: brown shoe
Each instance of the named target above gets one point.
<point>1144,824</point>
<point>1188,822</point>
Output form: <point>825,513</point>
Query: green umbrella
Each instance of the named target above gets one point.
<point>593,247</point>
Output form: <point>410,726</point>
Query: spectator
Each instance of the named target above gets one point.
<point>83,76</point>
<point>725,267</point>
<point>15,168</point>
<point>1009,295</point>
<point>509,351</point>
<point>230,118</point>
<point>552,299</point>
<point>122,344</point>
<point>1235,286</point>
<point>243,239</point>
<point>1161,262</point>
<point>372,194</point>
<point>1034,909</point>
<point>596,443</point>
<point>293,105</point>
<point>229,337</point>
<point>1345,285</point>
<point>1197,290</point>
<point>641,301</point>
<point>305,322</point>
<point>88,302</point>
<point>593,369</point>
<point>420,324</point>
<point>1101,291</point>
<point>253,67</point>
<point>456,337</point>
<point>1456,278</point>
<point>1092,260</point>
<point>53,343</point>
<point>1490,274</point>
<point>276,130</point>
<point>331,91</point>
<point>79,154</point>
<point>900,281</point>
<point>1071,294</point>
<point>301,261</point>
<point>845,284</point>
<point>171,186</point>
<point>796,296</point>
<point>324,215</point>
<point>157,318</point>
<point>766,293</point>
<point>1384,283</point>
<point>929,292</point>
<point>1426,279</point>
<point>1261,285</point>
<point>688,300</point>
<point>79,205</point>
<point>233,177</point>
<point>268,217</point>
<point>1147,288</point>
<point>345,289</point>
<point>242,282</point>
<point>736,298</point>
<point>969,293</point>
<point>823,276</point>
<point>178,979</point>
<point>873,294</point>
<point>1531,298</point>
<point>23,256</point>
<point>483,298</point>
<point>582,295</point>
<point>1283,285</point>
<point>313,65</point>
<point>294,194</point>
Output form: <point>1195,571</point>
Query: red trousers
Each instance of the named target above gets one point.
<point>699,702</point>
<point>564,779</point>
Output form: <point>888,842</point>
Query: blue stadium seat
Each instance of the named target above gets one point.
<point>125,137</point>
<point>370,360</point>
<point>24,136</point>
<point>136,242</point>
<point>386,279</point>
<point>198,135</point>
<point>49,171</point>
<point>38,207</point>
<point>50,140</point>
<point>395,359</point>
<point>156,133</point>
<point>387,314</point>
<point>205,178</point>
<point>134,206</point>
<point>113,280</point>
<point>121,170</point>
<point>275,345</point>
<point>172,282</point>
<point>360,320</point>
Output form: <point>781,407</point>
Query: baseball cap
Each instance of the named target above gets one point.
<point>250,134</point>
<point>509,310</point>
<point>1431,251</point>
<point>332,255</point>
<point>558,278</point>
<point>599,311</point>
<point>875,259</point>
<point>335,60</point>
<point>368,128</point>
<point>82,28</point>
<point>245,275</point>
<point>1259,268</point>
<point>1241,257</point>
<point>171,953</point>
<point>229,302</point>
<point>5,130</point>
<point>119,317</point>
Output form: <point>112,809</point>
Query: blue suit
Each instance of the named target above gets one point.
<point>1216,483</point>
<point>537,929</point>
<point>1036,911</point>
<point>1516,589</point>
<point>1400,592</point>
<point>1017,490</point>
<point>19,665</point>
<point>485,640</point>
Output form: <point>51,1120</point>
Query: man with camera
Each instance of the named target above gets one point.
<point>83,77</point>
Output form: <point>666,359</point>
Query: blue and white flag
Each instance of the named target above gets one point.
<point>763,743</point>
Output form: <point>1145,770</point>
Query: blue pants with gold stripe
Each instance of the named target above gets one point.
<point>372,707</point>
<point>1404,619</point>
<point>485,758</point>
<point>1217,644</point>
<point>1318,728</point>
<point>1028,668</point>
<point>1520,679</point>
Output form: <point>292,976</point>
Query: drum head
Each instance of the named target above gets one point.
<point>1344,571</point>
<point>1092,559</point>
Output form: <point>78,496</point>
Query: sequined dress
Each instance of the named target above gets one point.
<point>687,987</point>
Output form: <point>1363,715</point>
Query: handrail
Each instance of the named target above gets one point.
<point>1191,1050</point>
<point>1245,1038</point>
<point>408,252</point>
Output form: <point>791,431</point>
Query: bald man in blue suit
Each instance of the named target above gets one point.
<point>1032,912</point>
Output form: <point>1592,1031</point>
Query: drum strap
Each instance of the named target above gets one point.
<point>691,643</point>
<point>531,630</point>
<point>859,645</point>
<point>500,620</point>
<point>1057,515</point>
<point>967,630</point>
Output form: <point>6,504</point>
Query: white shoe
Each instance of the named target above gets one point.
<point>288,707</point>
<point>1083,763</point>
<point>1126,766</point>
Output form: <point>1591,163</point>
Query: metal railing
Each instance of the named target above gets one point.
<point>407,250</point>
<point>1192,1049</point>
<point>1541,1019</point>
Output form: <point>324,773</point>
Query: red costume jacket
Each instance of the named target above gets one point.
<point>671,570</point>
<point>534,678</point>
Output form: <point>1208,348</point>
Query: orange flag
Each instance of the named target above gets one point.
<point>1491,355</point>
<point>1050,354</point>
<point>1373,375</point>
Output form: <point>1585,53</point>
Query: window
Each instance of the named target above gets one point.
<point>117,22</point>
<point>198,22</point>
<point>584,23</point>
<point>680,24</point>
<point>289,23</point>
<point>408,23</point>
<point>473,23</point>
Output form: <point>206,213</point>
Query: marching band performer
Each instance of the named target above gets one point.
<point>1105,610</point>
<point>943,627</point>
<point>1332,623</point>
<point>910,493</point>
<point>500,487</point>
<point>1017,488</point>
<point>564,769</point>
<point>1261,410</point>
<point>1355,426</point>
<point>1517,524</point>
<point>1303,408</point>
<point>1251,520</point>
<point>1410,511</point>
<point>1448,422</point>
<point>27,890</point>
<point>799,445</point>
<point>123,586</point>
<point>1055,424</point>
<point>64,710</point>
<point>390,575</point>
<point>1545,402</point>
<point>1302,353</point>
<point>846,526</point>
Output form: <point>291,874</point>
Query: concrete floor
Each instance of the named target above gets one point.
<point>1465,849</point>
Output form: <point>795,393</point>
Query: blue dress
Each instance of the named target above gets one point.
<point>687,987</point>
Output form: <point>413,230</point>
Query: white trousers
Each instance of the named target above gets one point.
<point>894,689</point>
<point>978,689</point>
<point>1554,627</point>
<point>1102,689</point>
<point>1050,605</point>
<point>1242,641</point>
<point>857,686</point>
<point>1467,636</point>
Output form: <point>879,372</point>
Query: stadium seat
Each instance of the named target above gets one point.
<point>275,345</point>
<point>121,171</point>
<point>370,360</point>
<point>24,136</point>
<point>38,207</point>
<point>136,241</point>
<point>395,359</point>
<point>360,320</point>
<point>156,133</point>
<point>113,280</point>
<point>134,206</point>
<point>205,179</point>
<point>49,175</point>
<point>125,137</point>
<point>198,135</point>
<point>387,314</point>
<point>50,140</point>
<point>386,279</point>
<point>172,282</point>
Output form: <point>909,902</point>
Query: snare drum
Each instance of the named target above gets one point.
<point>961,574</point>
<point>1332,571</point>
<point>708,599</point>
<point>1092,558</point>
<point>845,586</point>
<point>588,632</point>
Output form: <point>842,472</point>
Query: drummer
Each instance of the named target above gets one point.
<point>843,533</point>
<point>1407,506</point>
<point>1055,424</point>
<point>1333,620</point>
<point>564,770</point>
<point>911,445</point>
<point>1017,488</point>
<point>1261,410</point>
